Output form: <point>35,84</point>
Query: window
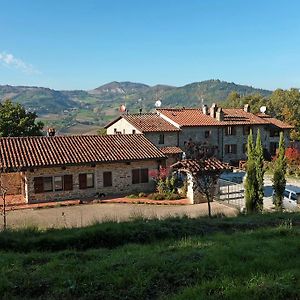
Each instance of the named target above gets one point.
<point>244,148</point>
<point>232,148</point>
<point>273,147</point>
<point>207,134</point>
<point>86,181</point>
<point>140,176</point>
<point>115,130</point>
<point>246,130</point>
<point>90,180</point>
<point>48,184</point>
<point>107,179</point>
<point>161,139</point>
<point>58,183</point>
<point>230,130</point>
<point>133,131</point>
<point>38,185</point>
<point>274,132</point>
<point>123,131</point>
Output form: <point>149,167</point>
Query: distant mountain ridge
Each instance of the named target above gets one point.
<point>45,100</point>
<point>68,108</point>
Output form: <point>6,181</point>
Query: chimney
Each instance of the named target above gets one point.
<point>213,110</point>
<point>247,108</point>
<point>51,131</point>
<point>220,114</point>
<point>205,109</point>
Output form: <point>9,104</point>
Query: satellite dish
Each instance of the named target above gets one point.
<point>263,109</point>
<point>158,103</point>
<point>122,108</point>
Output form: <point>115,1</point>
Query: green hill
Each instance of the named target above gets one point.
<point>67,109</point>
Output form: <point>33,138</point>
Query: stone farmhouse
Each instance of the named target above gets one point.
<point>159,131</point>
<point>43,169</point>
<point>224,130</point>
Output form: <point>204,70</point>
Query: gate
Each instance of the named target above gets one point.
<point>231,193</point>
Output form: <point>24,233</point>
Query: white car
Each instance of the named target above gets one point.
<point>291,199</point>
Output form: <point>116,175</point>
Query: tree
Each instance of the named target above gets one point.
<point>205,169</point>
<point>259,157</point>
<point>102,131</point>
<point>15,121</point>
<point>205,182</point>
<point>279,180</point>
<point>251,185</point>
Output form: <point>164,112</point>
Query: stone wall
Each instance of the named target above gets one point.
<point>170,138</point>
<point>121,181</point>
<point>12,182</point>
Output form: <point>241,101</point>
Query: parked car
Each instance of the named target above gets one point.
<point>291,199</point>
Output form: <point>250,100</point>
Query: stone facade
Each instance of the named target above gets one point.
<point>170,138</point>
<point>121,181</point>
<point>13,183</point>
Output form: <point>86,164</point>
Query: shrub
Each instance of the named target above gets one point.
<point>157,196</point>
<point>142,195</point>
<point>173,196</point>
<point>132,196</point>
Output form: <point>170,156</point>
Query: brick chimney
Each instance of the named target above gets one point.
<point>220,114</point>
<point>213,110</point>
<point>51,131</point>
<point>205,109</point>
<point>247,108</point>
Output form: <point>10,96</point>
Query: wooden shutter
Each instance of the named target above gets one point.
<point>226,149</point>
<point>82,181</point>
<point>233,148</point>
<point>68,182</point>
<point>226,130</point>
<point>107,179</point>
<point>144,175</point>
<point>38,185</point>
<point>233,130</point>
<point>135,176</point>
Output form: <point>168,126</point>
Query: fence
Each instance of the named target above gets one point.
<point>231,192</point>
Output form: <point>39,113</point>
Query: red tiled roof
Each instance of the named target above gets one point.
<point>30,152</point>
<point>188,116</point>
<point>171,150</point>
<point>237,116</point>
<point>275,121</point>
<point>149,122</point>
<point>232,116</point>
<point>193,166</point>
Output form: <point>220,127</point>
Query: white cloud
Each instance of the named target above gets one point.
<point>8,60</point>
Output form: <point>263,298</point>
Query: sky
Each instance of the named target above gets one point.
<point>82,44</point>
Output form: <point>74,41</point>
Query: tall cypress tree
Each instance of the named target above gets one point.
<point>251,180</point>
<point>279,180</point>
<point>259,158</point>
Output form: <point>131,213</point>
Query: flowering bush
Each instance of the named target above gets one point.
<point>293,155</point>
<point>165,184</point>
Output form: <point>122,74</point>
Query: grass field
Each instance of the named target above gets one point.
<point>247,257</point>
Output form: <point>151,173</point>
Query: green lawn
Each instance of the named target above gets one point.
<point>247,257</point>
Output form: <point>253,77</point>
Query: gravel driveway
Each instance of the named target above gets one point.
<point>83,215</point>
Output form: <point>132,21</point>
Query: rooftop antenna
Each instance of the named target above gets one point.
<point>263,109</point>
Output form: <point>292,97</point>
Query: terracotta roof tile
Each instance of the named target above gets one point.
<point>193,166</point>
<point>275,121</point>
<point>149,122</point>
<point>27,152</point>
<point>232,116</point>
<point>188,116</point>
<point>171,150</point>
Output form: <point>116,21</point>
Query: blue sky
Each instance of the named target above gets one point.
<point>81,44</point>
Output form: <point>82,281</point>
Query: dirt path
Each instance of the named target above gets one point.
<point>83,215</point>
